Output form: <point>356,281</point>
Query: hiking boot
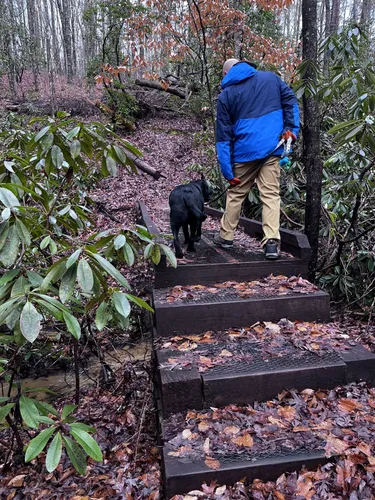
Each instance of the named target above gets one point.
<point>220,242</point>
<point>271,250</point>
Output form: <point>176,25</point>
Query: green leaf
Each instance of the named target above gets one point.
<point>29,412</point>
<point>139,302</point>
<point>37,445</point>
<point>46,408</point>
<point>9,252</point>
<point>128,254</point>
<point>50,309</point>
<point>5,410</point>
<point>30,322</point>
<point>67,284</point>
<point>85,276</point>
<point>4,230</point>
<point>54,453</point>
<point>67,410</point>
<point>41,133</point>
<point>82,427</point>
<point>73,258</point>
<point>170,255</point>
<point>156,255</point>
<point>7,308</point>
<point>121,304</point>
<point>111,165</point>
<point>56,271</point>
<point>75,148</point>
<point>73,133</point>
<point>9,276</point>
<point>45,420</point>
<point>89,444</point>
<point>120,155</point>
<point>110,269</point>
<point>5,214</point>
<point>57,156</point>
<point>119,242</point>
<point>102,316</point>
<point>76,455</point>
<point>72,325</point>
<point>148,250</point>
<point>45,242</point>
<point>23,233</point>
<point>353,132</point>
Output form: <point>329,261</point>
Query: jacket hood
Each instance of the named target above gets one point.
<point>239,72</point>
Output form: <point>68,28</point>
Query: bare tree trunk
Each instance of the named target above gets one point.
<point>366,10</point>
<point>54,39</point>
<point>50,67</point>
<point>65,16</point>
<point>32,19</point>
<point>335,16</point>
<point>327,32</point>
<point>311,133</point>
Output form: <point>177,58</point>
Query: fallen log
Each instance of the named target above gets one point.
<point>145,167</point>
<point>165,88</point>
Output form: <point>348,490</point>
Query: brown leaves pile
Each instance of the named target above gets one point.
<point>270,340</point>
<point>338,422</point>
<point>264,287</point>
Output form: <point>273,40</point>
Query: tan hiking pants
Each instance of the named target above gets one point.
<point>268,182</point>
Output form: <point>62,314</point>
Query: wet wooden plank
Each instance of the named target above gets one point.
<point>187,318</point>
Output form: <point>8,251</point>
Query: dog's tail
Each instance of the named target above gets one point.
<point>195,211</point>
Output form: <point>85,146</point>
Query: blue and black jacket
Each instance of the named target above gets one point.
<point>253,110</point>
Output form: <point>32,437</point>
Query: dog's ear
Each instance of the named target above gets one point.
<point>203,177</point>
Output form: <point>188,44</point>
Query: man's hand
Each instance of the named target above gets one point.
<point>234,182</point>
<point>289,134</point>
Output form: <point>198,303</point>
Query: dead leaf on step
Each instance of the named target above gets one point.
<point>231,430</point>
<point>212,463</point>
<point>244,440</point>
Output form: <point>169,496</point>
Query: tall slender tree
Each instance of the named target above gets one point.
<point>311,130</point>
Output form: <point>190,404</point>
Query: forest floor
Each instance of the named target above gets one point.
<point>123,412</point>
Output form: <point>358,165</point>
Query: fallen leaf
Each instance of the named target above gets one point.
<point>305,488</point>
<point>186,434</point>
<point>203,427</point>
<point>349,405</point>
<point>225,354</point>
<point>212,463</point>
<point>206,446</point>
<point>231,430</point>
<point>287,412</point>
<point>272,327</point>
<point>244,440</point>
<point>365,448</point>
<point>17,481</point>
<point>221,490</point>
<point>335,446</point>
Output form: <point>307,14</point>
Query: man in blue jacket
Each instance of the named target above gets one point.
<point>254,110</point>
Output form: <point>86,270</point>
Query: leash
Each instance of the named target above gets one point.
<point>284,161</point>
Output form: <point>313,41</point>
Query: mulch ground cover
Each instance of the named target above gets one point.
<point>264,287</point>
<point>270,340</point>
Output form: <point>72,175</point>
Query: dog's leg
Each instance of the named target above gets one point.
<point>199,231</point>
<point>193,229</point>
<point>175,230</point>
<point>185,227</point>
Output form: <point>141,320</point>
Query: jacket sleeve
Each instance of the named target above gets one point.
<point>290,109</point>
<point>224,139</point>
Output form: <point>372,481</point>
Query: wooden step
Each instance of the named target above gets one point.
<point>193,373</point>
<point>211,310</point>
<point>211,264</point>
<point>298,429</point>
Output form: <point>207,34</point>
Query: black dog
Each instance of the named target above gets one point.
<point>187,205</point>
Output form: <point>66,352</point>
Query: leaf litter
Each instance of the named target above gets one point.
<point>264,340</point>
<point>338,422</point>
<point>264,287</point>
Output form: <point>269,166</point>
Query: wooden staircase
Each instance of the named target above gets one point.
<point>230,329</point>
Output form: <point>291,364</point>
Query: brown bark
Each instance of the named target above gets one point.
<point>311,133</point>
<point>65,16</point>
<point>158,86</point>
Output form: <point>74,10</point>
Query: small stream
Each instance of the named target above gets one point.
<point>62,382</point>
